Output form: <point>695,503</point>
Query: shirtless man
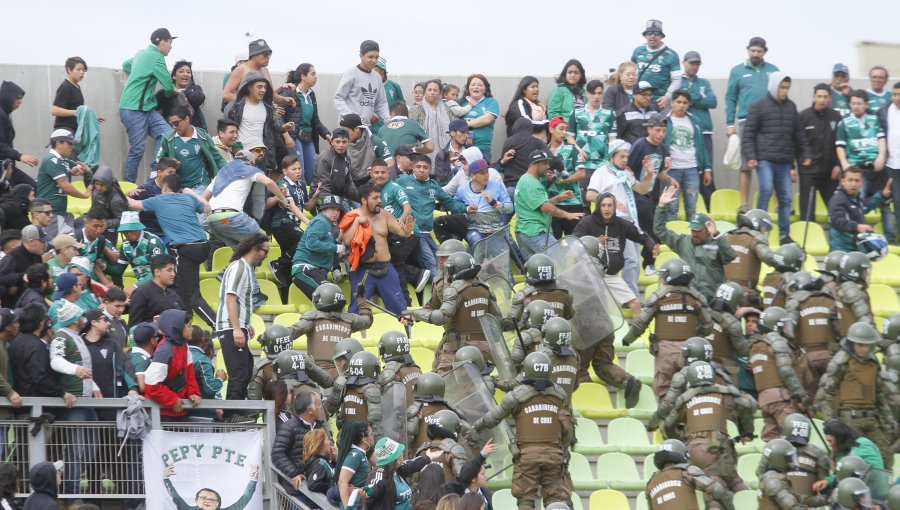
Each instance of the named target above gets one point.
<point>260,53</point>
<point>376,272</point>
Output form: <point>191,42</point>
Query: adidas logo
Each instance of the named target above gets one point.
<point>368,94</point>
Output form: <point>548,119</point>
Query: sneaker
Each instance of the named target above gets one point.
<point>650,270</point>
<point>277,273</point>
<point>786,240</point>
<point>259,299</point>
<point>423,280</point>
<point>632,392</point>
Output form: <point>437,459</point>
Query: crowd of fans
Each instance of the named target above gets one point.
<point>604,160</point>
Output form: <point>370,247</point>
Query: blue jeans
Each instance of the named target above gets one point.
<point>529,245</point>
<point>306,153</point>
<point>138,126</point>
<point>388,287</point>
<point>81,445</point>
<point>427,253</point>
<point>234,228</point>
<point>689,180</point>
<point>631,271</point>
<point>873,183</point>
<point>473,236</point>
<point>776,177</point>
<point>894,173</point>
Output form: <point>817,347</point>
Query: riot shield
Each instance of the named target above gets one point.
<point>499,348</point>
<point>597,314</point>
<point>879,482</point>
<point>492,253</point>
<point>502,292</point>
<point>466,392</point>
<point>393,405</point>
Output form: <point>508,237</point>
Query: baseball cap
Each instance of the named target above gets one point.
<point>367,46</point>
<point>404,150</point>
<point>83,264</point>
<point>65,240</point>
<point>143,332</point>
<point>351,121</point>
<point>61,135</point>
<point>64,283</point>
<point>459,125</point>
<point>757,41</point>
<point>653,26</point>
<point>471,154</point>
<point>258,46</point>
<point>161,34</point>
<point>644,85</point>
<point>555,121</point>
<point>656,120</point>
<point>698,222</point>
<point>538,156</point>
<point>840,68</point>
<point>692,56</point>
<point>479,165</point>
<point>33,233</point>
<point>330,202</point>
<point>7,317</point>
<point>247,155</point>
<point>93,314</point>
<point>382,63</point>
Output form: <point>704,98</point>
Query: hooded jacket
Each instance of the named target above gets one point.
<point>170,375</point>
<point>15,207</point>
<point>845,212</point>
<point>109,205</point>
<point>523,142</point>
<point>9,92</point>
<point>42,479</point>
<point>617,229</point>
<point>772,131</point>
<point>235,111</point>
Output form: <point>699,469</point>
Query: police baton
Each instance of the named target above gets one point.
<point>815,427</point>
<point>498,472</point>
<point>394,315</point>
<point>519,336</point>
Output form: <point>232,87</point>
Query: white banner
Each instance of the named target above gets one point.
<point>187,471</point>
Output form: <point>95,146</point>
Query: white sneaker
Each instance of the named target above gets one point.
<point>650,270</point>
<point>423,281</point>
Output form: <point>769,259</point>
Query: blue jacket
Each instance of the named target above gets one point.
<point>845,213</point>
<point>699,143</point>
<point>703,99</point>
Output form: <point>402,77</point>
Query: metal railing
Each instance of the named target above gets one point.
<point>109,467</point>
<point>283,500</point>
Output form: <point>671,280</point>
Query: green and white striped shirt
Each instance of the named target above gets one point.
<point>239,279</point>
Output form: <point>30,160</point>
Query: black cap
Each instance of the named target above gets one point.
<point>404,150</point>
<point>92,315</point>
<point>538,156</point>
<point>161,34</point>
<point>656,120</point>
<point>692,56</point>
<point>367,46</point>
<point>340,133</point>
<point>258,46</point>
<point>7,317</point>
<point>351,121</point>
<point>757,41</point>
<point>143,332</point>
<point>459,125</point>
<point>330,202</point>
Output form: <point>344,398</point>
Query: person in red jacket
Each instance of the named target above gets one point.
<point>170,376</point>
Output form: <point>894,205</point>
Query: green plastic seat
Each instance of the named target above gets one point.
<point>746,468</point>
<point>593,401</point>
<point>381,324</point>
<point>221,258</point>
<point>884,300</point>
<point>724,226</point>
<point>755,446</point>
<point>582,474</point>
<point>821,212</point>
<point>298,299</point>
<point>274,305</point>
<point>588,440</point>
<point>816,241</point>
<point>700,208</point>
<point>503,480</point>
<point>640,364</point>
<point>618,471</point>
<point>649,467</point>
<point>628,435</point>
<point>503,498</point>
<point>887,271</point>
<point>725,203</point>
<point>209,290</point>
<point>422,357</point>
<point>646,406</point>
<point>428,335</point>
<point>746,500</point>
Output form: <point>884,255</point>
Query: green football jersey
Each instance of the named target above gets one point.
<point>659,71</point>
<point>591,131</point>
<point>859,137</point>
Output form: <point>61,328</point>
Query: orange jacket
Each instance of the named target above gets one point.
<point>360,238</point>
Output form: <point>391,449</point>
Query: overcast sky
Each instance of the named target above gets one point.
<point>504,37</point>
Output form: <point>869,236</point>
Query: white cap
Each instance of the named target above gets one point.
<point>471,154</point>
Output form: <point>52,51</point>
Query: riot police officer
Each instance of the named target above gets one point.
<point>704,410</point>
<point>787,259</point>
<point>852,295</point>
<point>447,248</point>
<point>329,323</point>
<point>443,433</point>
<point>394,349</point>
<point>853,391</point>
<point>894,497</point>
<point>751,244</point>
<point>465,300</point>
<point>537,453</point>
<point>854,494</point>
<point>775,491</point>
<point>529,335</point>
<point>680,312</point>
<point>428,400</point>
<point>274,340</point>
<point>772,362</point>
<point>832,270</point>
<point>727,336</point>
<point>815,327</point>
<point>672,486</point>
<point>470,354</point>
<point>300,373</point>
<point>344,349</point>
<point>812,464</point>
<point>357,395</point>
<point>540,283</point>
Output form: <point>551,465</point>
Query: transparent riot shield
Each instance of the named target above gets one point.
<point>502,292</point>
<point>393,405</point>
<point>879,482</point>
<point>597,314</point>
<point>499,348</point>
<point>466,392</point>
<point>492,253</point>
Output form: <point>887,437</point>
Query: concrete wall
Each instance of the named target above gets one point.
<point>102,88</point>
